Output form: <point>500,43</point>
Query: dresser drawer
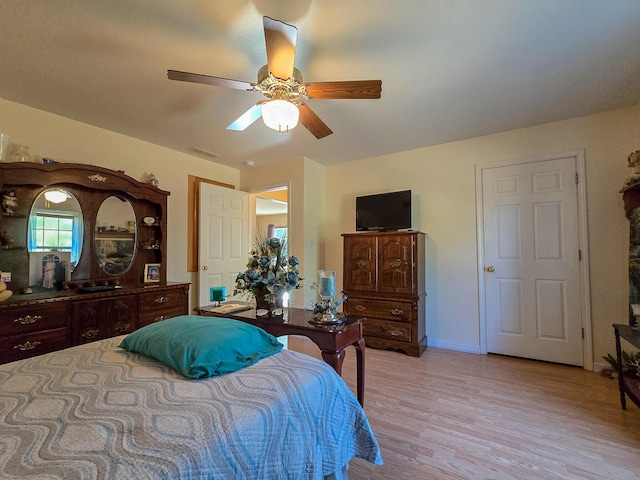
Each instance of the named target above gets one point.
<point>387,329</point>
<point>162,300</point>
<point>17,347</point>
<point>34,318</point>
<point>393,310</point>
<point>157,316</point>
<point>159,305</point>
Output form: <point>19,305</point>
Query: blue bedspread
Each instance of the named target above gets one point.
<point>95,411</point>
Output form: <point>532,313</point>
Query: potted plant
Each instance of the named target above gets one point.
<point>630,363</point>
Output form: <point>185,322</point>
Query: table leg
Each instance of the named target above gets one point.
<point>359,346</point>
<point>334,358</point>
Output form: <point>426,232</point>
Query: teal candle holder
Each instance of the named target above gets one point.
<point>217,295</point>
<point>327,290</point>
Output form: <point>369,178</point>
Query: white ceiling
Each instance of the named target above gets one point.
<point>450,69</point>
<point>269,206</point>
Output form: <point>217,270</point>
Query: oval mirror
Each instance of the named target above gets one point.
<point>115,237</point>
<point>55,236</point>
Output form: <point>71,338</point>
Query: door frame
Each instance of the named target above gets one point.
<point>583,245</point>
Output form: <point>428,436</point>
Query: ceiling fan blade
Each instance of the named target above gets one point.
<point>280,40</point>
<point>209,80</point>
<point>312,122</point>
<point>247,118</point>
<point>347,89</point>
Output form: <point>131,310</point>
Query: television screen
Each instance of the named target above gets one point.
<point>384,211</point>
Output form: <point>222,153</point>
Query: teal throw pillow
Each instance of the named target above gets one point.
<point>200,347</point>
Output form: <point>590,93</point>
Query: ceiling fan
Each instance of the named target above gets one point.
<point>282,85</point>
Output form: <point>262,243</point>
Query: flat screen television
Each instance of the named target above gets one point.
<point>384,211</point>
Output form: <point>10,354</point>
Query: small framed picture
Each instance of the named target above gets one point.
<point>151,273</point>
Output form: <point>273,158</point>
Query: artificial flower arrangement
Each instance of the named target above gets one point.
<point>269,269</point>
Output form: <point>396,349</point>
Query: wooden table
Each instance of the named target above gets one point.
<point>331,339</point>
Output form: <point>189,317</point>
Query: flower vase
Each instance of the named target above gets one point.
<point>20,153</point>
<point>263,304</point>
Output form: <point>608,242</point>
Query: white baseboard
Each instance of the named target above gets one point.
<point>599,366</point>
<point>461,347</point>
<point>458,347</point>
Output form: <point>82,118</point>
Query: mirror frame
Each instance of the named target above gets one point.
<point>90,185</point>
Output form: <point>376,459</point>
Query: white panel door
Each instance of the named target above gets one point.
<point>532,271</point>
<point>224,238</point>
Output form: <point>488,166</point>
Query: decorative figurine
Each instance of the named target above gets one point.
<point>4,293</point>
<point>633,161</point>
<point>9,203</point>
<point>49,270</point>
<point>6,240</point>
<point>151,179</point>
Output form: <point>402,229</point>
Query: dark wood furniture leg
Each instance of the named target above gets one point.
<point>623,400</point>
<point>359,346</point>
<point>336,358</point>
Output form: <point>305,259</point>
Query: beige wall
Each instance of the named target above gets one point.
<point>69,141</point>
<point>442,180</point>
<point>263,221</point>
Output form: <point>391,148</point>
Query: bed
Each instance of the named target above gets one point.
<point>99,411</point>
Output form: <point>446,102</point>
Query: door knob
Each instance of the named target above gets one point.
<point>490,269</point>
<point>205,267</point>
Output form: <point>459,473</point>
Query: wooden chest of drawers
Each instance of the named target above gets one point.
<point>384,281</point>
<point>33,330</point>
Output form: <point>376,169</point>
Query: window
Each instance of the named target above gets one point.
<point>56,231</point>
<point>281,233</point>
<point>53,232</point>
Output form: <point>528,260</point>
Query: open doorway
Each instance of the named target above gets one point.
<point>272,214</point>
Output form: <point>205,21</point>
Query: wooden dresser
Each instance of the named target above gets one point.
<point>33,326</point>
<point>384,280</point>
<point>101,283</point>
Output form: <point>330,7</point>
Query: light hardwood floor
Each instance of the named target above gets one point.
<point>452,415</point>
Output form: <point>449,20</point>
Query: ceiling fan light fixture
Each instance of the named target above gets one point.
<point>280,115</point>
<point>55,196</point>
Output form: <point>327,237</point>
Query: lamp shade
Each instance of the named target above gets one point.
<point>280,115</point>
<point>55,196</point>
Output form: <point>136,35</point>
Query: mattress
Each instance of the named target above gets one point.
<point>95,411</point>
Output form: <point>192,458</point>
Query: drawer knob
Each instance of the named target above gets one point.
<point>361,263</point>
<point>26,346</point>
<point>160,318</point>
<point>396,263</point>
<point>396,311</point>
<point>360,308</point>
<point>162,299</point>
<point>91,333</point>
<point>395,333</point>
<point>27,319</point>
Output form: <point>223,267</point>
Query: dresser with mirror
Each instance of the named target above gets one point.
<point>83,257</point>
